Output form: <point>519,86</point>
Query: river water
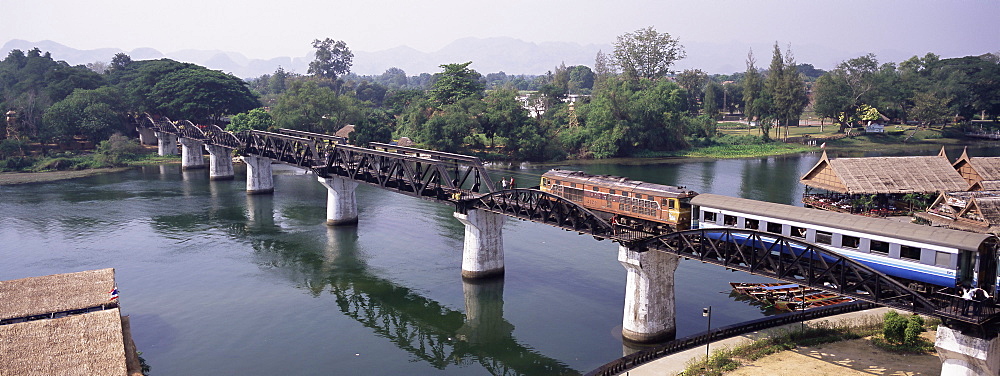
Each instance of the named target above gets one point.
<point>219,282</point>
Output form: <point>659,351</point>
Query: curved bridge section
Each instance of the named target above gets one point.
<point>796,261</point>
<point>218,136</point>
<point>296,151</point>
<point>537,206</point>
<point>187,129</point>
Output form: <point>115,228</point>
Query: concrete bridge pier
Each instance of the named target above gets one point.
<point>482,254</point>
<point>192,154</point>
<point>965,355</point>
<point>649,295</point>
<point>341,204</point>
<point>260,180</point>
<point>220,163</point>
<point>146,136</point>
<point>167,143</point>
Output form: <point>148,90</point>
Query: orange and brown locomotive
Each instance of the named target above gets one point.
<point>641,206</point>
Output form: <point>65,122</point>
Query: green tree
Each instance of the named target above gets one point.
<point>120,61</point>
<point>932,108</point>
<point>455,83</point>
<point>95,114</point>
<point>711,101</point>
<point>692,80</point>
<point>117,150</point>
<point>753,88</point>
<point>449,128</point>
<point>646,53</point>
<point>257,119</point>
<point>504,114</point>
<point>629,116</point>
<point>894,327</point>
<point>310,107</point>
<point>333,59</point>
<point>786,90</point>
<point>375,126</point>
<point>581,79</point>
<point>848,87</point>
<point>278,82</point>
<point>603,70</point>
<point>201,95</point>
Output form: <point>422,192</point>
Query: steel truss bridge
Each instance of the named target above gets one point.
<point>464,182</point>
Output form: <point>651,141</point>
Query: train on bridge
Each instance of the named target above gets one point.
<point>927,258</point>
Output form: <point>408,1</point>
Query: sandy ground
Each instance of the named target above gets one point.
<point>856,357</point>
<point>10,178</point>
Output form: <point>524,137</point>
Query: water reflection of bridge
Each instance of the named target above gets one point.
<point>430,331</point>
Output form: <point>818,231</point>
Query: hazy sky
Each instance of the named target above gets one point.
<point>266,29</point>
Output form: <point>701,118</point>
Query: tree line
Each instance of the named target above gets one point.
<point>630,103</point>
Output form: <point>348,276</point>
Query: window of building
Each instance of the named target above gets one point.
<point>596,189</point>
<point>908,252</point>
<point>611,191</point>
<point>798,232</point>
<point>752,224</point>
<point>729,220</point>
<point>879,247</point>
<point>823,237</point>
<point>774,228</point>
<point>709,216</point>
<point>848,241</point>
<point>942,259</point>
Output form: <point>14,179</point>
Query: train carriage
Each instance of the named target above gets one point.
<point>921,255</point>
<point>647,207</point>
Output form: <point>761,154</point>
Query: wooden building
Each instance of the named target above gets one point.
<point>977,211</point>
<point>885,181</point>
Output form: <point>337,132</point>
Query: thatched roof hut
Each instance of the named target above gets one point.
<point>345,131</point>
<point>86,344</point>
<point>405,141</point>
<point>55,293</point>
<point>885,175</point>
<point>977,211</point>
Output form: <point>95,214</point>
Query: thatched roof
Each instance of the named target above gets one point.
<point>885,175</point>
<point>86,344</point>
<point>983,209</point>
<point>345,131</point>
<point>986,185</point>
<point>977,170</point>
<point>55,293</point>
<point>874,226</point>
<point>405,141</point>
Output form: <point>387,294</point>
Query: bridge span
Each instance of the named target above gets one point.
<point>649,259</point>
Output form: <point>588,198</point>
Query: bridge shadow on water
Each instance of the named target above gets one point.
<point>428,330</point>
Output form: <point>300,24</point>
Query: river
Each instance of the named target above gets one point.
<point>220,282</point>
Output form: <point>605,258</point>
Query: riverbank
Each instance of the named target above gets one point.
<point>12,178</point>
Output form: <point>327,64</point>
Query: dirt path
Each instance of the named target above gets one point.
<point>11,178</point>
<point>855,357</point>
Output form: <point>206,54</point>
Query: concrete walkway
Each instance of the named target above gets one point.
<point>673,364</point>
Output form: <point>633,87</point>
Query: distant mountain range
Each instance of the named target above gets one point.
<point>488,55</point>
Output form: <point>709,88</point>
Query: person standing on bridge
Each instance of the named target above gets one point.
<point>966,299</point>
<point>979,298</point>
<point>503,183</point>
